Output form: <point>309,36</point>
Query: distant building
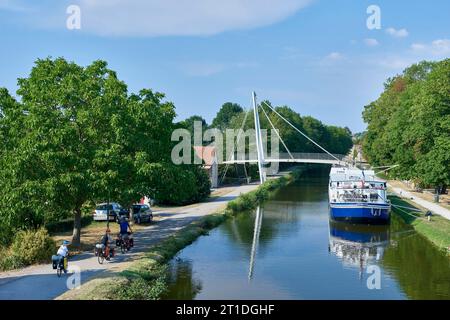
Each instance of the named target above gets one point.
<point>210,163</point>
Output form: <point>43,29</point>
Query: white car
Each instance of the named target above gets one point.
<point>115,210</point>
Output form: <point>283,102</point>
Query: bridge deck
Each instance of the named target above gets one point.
<point>318,158</point>
<point>318,161</point>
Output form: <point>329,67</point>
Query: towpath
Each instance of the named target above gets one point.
<point>40,282</point>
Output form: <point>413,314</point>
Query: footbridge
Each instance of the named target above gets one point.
<point>323,157</point>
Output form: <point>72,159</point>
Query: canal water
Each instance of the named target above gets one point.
<point>288,249</point>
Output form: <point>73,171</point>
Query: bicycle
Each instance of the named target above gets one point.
<point>100,253</point>
<point>61,265</point>
<point>124,244</point>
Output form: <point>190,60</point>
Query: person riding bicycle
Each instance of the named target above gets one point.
<point>124,226</point>
<point>107,241</point>
<point>61,254</point>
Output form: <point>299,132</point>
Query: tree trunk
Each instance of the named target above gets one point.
<point>76,237</point>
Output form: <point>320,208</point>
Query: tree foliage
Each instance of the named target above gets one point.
<point>225,114</point>
<point>77,136</point>
<point>335,139</point>
<point>409,124</point>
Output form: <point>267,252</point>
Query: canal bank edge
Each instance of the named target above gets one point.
<point>146,277</point>
<point>437,231</point>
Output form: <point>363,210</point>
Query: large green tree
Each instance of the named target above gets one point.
<point>76,136</point>
<point>409,124</point>
<point>225,114</point>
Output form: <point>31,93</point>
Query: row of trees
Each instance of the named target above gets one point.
<point>231,116</point>
<point>75,136</point>
<point>409,125</point>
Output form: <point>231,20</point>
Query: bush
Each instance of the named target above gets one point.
<point>251,200</point>
<point>34,246</point>
<point>146,280</point>
<point>67,224</point>
<point>180,185</point>
<point>203,184</point>
<point>9,261</point>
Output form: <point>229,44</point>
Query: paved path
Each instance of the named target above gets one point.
<point>433,207</point>
<point>41,283</point>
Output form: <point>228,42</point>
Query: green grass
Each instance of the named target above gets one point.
<point>437,230</point>
<point>251,200</point>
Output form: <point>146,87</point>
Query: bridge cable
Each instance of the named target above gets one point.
<point>287,121</point>
<point>386,170</point>
<point>234,147</point>
<point>278,134</point>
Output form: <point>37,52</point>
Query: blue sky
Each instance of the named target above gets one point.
<point>316,56</point>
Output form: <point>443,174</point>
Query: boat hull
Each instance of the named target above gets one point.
<point>360,213</point>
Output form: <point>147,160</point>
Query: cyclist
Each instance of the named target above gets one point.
<point>107,241</point>
<point>124,226</point>
<point>62,254</point>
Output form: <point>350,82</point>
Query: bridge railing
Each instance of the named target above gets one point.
<point>287,157</point>
<point>306,156</point>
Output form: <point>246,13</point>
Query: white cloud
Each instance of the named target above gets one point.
<point>418,47</point>
<point>433,51</point>
<point>395,63</point>
<point>182,17</point>
<point>332,59</point>
<point>437,48</point>
<point>401,33</point>
<point>371,42</point>
<point>334,56</point>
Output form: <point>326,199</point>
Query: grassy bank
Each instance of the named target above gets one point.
<point>146,278</point>
<point>437,230</point>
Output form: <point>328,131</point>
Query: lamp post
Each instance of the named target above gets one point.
<point>107,210</point>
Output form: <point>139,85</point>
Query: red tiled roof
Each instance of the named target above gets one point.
<point>207,154</point>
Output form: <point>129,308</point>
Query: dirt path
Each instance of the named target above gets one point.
<point>419,199</point>
<point>40,282</point>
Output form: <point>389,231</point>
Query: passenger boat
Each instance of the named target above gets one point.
<point>358,196</point>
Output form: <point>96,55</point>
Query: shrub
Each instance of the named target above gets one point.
<point>33,246</point>
<point>179,185</point>
<point>67,224</point>
<point>9,261</point>
<point>146,281</point>
<point>250,201</point>
<point>203,184</point>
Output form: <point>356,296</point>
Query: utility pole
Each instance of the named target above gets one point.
<point>259,146</point>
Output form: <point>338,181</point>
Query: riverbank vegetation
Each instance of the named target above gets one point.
<point>437,230</point>
<point>409,125</point>
<point>252,199</point>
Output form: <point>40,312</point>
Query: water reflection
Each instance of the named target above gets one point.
<point>358,245</point>
<point>257,230</point>
<point>282,249</point>
<point>182,285</point>
<point>422,271</point>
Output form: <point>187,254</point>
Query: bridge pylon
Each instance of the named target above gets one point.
<point>259,145</point>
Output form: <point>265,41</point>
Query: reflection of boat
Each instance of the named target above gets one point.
<point>358,245</point>
<point>358,196</point>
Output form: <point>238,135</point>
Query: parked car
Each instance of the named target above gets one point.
<point>142,213</point>
<point>115,212</point>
